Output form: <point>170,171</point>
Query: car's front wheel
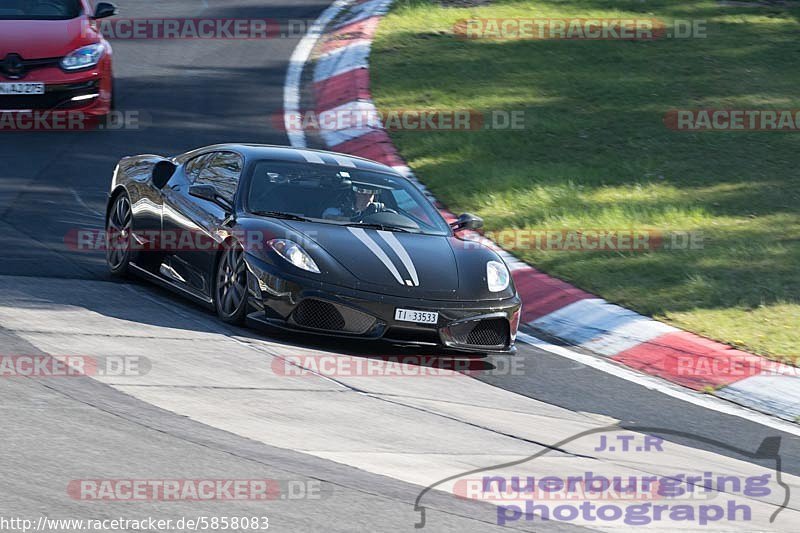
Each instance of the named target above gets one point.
<point>119,235</point>
<point>230,292</point>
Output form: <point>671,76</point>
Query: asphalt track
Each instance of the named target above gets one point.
<point>212,406</point>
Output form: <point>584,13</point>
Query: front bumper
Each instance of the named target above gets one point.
<point>305,305</point>
<point>86,92</point>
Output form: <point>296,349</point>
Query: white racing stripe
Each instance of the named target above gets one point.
<point>312,157</point>
<point>401,252</point>
<point>343,161</point>
<point>362,236</point>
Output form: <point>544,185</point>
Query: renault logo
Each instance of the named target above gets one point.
<point>12,66</point>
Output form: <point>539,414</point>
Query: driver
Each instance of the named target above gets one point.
<point>365,200</point>
<point>359,202</point>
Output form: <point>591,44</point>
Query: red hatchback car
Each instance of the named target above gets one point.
<point>53,58</point>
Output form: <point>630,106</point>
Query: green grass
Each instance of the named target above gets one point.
<point>596,154</point>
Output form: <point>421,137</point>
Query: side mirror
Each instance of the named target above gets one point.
<point>210,193</point>
<point>104,9</point>
<point>467,221</point>
<point>162,172</point>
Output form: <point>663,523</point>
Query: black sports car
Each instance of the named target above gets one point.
<point>309,240</point>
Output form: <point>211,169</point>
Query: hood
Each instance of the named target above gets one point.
<point>39,39</point>
<point>402,264</point>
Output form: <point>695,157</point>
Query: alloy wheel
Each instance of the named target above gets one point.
<point>231,281</point>
<point>118,234</point>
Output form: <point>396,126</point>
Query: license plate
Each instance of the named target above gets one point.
<point>420,317</point>
<point>21,88</point>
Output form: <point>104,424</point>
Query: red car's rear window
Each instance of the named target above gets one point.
<point>39,9</point>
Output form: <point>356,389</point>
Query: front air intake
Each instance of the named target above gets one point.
<point>491,332</point>
<point>326,316</point>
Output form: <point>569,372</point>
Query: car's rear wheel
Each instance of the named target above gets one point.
<point>230,292</point>
<point>119,235</point>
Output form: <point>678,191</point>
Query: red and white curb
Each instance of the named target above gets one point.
<point>341,84</point>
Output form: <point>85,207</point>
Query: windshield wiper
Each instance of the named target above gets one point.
<point>279,214</point>
<point>384,227</point>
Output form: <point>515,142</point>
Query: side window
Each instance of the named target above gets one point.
<point>222,171</point>
<point>195,165</point>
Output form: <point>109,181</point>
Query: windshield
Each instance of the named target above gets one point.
<point>39,9</point>
<point>343,196</point>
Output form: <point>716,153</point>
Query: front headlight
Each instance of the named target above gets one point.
<point>84,57</point>
<point>292,252</point>
<point>497,276</point>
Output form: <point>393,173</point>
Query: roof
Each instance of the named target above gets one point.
<point>300,155</point>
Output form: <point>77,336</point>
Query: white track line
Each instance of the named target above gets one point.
<point>291,107</point>
<point>291,89</point>
<point>656,384</point>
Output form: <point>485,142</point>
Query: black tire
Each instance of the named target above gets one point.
<point>230,285</point>
<point>119,235</point>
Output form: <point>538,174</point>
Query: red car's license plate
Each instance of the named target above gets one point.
<point>21,88</point>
